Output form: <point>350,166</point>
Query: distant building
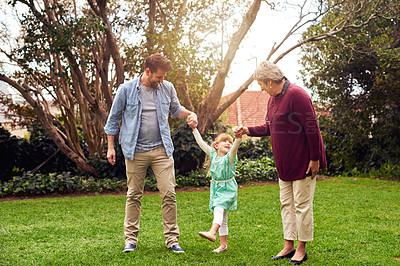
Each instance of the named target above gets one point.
<point>248,110</point>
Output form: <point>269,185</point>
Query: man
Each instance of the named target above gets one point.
<point>144,105</point>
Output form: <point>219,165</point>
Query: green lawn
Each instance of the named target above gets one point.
<point>357,222</point>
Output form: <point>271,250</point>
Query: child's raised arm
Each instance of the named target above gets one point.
<point>234,149</point>
<point>201,143</point>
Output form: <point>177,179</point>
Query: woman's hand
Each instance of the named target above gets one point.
<point>313,166</point>
<point>240,131</point>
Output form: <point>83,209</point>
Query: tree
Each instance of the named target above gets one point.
<point>64,59</point>
<point>178,30</point>
<point>310,12</point>
<point>76,59</point>
<point>73,60</point>
<point>355,76</point>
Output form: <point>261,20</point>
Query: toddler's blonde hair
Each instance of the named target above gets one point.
<point>221,137</point>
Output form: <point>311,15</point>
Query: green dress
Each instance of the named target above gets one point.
<point>223,194</point>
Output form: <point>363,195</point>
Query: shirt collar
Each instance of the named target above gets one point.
<point>140,83</point>
<point>285,86</point>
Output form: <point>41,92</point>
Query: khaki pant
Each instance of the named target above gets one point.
<point>163,168</point>
<point>297,208</point>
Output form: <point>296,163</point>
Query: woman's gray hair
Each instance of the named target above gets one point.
<point>267,71</point>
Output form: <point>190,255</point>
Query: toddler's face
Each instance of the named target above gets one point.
<point>224,146</point>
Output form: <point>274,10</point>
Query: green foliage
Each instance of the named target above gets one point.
<point>254,149</point>
<point>198,178</point>
<point>189,159</point>
<point>259,170</point>
<point>355,77</point>
<point>42,184</point>
<point>105,169</point>
<point>62,34</point>
<point>246,171</point>
<point>184,38</point>
<point>187,154</point>
<point>17,155</point>
<point>386,171</point>
<point>47,184</point>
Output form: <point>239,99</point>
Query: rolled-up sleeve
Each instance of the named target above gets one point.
<point>175,107</point>
<point>111,127</point>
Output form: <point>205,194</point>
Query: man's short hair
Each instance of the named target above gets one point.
<point>158,61</point>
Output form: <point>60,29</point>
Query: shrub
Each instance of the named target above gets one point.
<point>197,178</point>
<point>46,184</point>
<point>258,170</point>
<point>17,155</point>
<point>187,154</point>
<point>105,169</point>
<point>246,170</point>
<point>255,148</point>
<point>386,171</point>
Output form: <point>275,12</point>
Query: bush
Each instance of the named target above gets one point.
<point>197,178</point>
<point>19,155</point>
<point>30,184</point>
<point>255,148</point>
<point>258,170</point>
<point>187,154</point>
<point>246,171</point>
<point>46,184</point>
<point>386,171</point>
<point>105,169</point>
<point>364,148</point>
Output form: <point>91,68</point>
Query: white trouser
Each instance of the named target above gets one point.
<point>221,218</point>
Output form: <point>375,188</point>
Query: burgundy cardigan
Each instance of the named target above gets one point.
<point>295,136</point>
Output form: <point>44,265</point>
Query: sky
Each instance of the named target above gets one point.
<point>269,27</point>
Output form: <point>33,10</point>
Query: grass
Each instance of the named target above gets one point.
<point>357,222</point>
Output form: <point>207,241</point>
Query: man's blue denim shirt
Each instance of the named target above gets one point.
<point>128,103</point>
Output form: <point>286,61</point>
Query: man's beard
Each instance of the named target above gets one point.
<point>154,84</point>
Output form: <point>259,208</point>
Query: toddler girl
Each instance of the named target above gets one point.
<point>223,186</point>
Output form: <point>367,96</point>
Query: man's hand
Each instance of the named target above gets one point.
<point>193,124</point>
<point>313,166</point>
<point>111,156</point>
<point>192,120</point>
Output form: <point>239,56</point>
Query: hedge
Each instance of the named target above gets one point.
<point>47,184</point>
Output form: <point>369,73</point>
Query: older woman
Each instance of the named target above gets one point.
<point>298,151</point>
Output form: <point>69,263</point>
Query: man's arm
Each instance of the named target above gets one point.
<point>190,116</point>
<point>111,151</point>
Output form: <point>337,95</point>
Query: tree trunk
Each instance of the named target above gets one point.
<point>100,9</point>
<point>210,103</point>
<point>151,32</point>
<point>53,132</point>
